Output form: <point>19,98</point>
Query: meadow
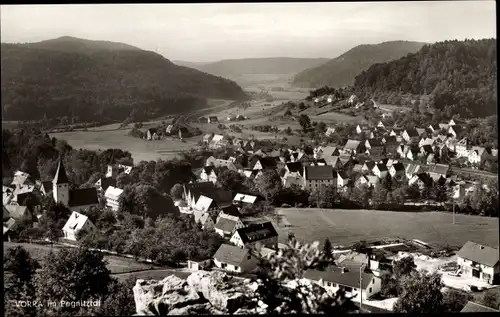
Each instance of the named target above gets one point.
<point>116,264</point>
<point>344,227</point>
<point>140,149</point>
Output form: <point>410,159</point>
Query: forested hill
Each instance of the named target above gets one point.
<point>341,71</point>
<point>457,74</point>
<point>272,65</point>
<point>94,80</point>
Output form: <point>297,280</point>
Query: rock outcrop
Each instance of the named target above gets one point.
<point>217,293</point>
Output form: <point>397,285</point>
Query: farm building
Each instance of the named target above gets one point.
<point>314,176</point>
<point>479,261</point>
<point>234,259</point>
<point>262,234</point>
<point>75,224</point>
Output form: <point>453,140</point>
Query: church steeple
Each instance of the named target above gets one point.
<point>60,177</point>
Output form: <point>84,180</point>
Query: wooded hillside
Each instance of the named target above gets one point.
<point>95,80</point>
<point>461,75</point>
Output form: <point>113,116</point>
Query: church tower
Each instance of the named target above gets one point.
<point>60,185</point>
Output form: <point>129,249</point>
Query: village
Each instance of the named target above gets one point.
<point>400,154</point>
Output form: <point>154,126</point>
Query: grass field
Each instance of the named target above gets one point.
<point>345,227</point>
<point>153,275</point>
<point>115,264</point>
<point>140,149</point>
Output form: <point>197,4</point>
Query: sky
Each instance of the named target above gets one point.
<point>210,32</point>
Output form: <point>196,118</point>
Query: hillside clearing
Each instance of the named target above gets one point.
<point>345,227</point>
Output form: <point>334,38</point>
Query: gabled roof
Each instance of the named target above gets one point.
<point>113,192</point>
<point>479,253</point>
<point>256,232</point>
<point>231,254</point>
<point>472,307</point>
<point>390,139</point>
<point>203,203</point>
<point>342,175</point>
<point>375,142</point>
<point>352,145</point>
<point>107,182</point>
<point>75,222</point>
<point>412,133</point>
<point>225,224</point>
<point>294,167</point>
<point>83,197</point>
<point>268,162</point>
<point>420,131</point>
<point>245,198</point>
<point>17,212</point>
<point>382,167</point>
<point>334,274</point>
<point>398,166</point>
<point>21,178</point>
<point>231,210</point>
<point>217,138</point>
<point>332,160</point>
<point>329,151</point>
<point>370,165</point>
<point>438,168</point>
<point>319,172</point>
<point>427,148</point>
<point>456,128</point>
<point>60,177</point>
<point>425,178</point>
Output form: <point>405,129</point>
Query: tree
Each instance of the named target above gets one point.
<point>327,249</point>
<point>119,300</point>
<point>404,267</point>
<point>490,299</point>
<point>379,197</point>
<point>123,180</point>
<point>305,122</point>
<point>454,301</point>
<point>231,180</point>
<point>269,184</point>
<point>72,275</point>
<point>177,191</point>
<point>421,293</point>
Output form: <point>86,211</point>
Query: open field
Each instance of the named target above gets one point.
<point>115,264</point>
<point>336,116</point>
<point>118,139</point>
<point>345,227</point>
<point>153,274</point>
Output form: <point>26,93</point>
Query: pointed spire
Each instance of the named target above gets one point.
<point>60,177</point>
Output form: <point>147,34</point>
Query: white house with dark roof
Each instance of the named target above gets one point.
<point>113,195</point>
<point>342,179</point>
<point>76,200</point>
<point>76,223</point>
<point>207,174</point>
<point>422,180</point>
<point>479,261</point>
<point>333,278</point>
<point>254,235</point>
<point>234,259</point>
<point>226,226</point>
<point>397,170</point>
<point>410,135</point>
<point>315,176</point>
<point>477,154</point>
<point>380,170</point>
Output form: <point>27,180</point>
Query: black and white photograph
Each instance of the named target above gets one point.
<point>250,158</point>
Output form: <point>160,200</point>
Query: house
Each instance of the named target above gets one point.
<point>203,120</point>
<point>212,161</point>
<point>102,184</point>
<point>208,174</point>
<point>333,278</point>
<point>241,199</point>
<point>342,179</point>
<point>396,132</point>
<point>16,212</point>
<point>192,191</point>
<point>333,161</point>
<point>389,139</point>
<point>477,154</point>
<point>45,188</point>
<point>397,170</point>
<point>353,147</point>
<point>368,166</point>
<point>315,176</point>
<point>152,134</point>
<point>426,141</point>
<point>433,128</point>
<point>403,150</point>
<point>21,179</point>
<point>472,307</point>
<point>204,218</point>
<point>234,259</point>
<point>438,170</point>
<point>412,154</point>
<point>422,180</point>
<point>375,146</point>
<point>226,226</point>
<point>265,163</point>
<point>380,170</point>
<point>330,131</point>
<point>114,170</point>
<point>76,200</point>
<point>75,224</point>
<point>443,126</point>
<point>380,124</point>
<point>353,100</point>
<point>361,128</point>
<point>23,192</point>
<point>229,212</point>
<point>217,141</point>
<point>368,180</point>
<point>292,180</point>
<point>293,169</point>
<point>327,151</point>
<point>255,235</point>
<point>112,195</point>
<point>426,149</point>
<point>455,130</point>
<point>420,131</point>
<point>410,135</point>
<point>479,261</point>
<point>213,119</point>
<point>461,148</point>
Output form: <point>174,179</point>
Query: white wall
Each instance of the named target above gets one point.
<point>466,266</point>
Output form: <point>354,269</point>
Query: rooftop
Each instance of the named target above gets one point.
<point>231,254</point>
<point>257,232</point>
<point>319,172</point>
<point>479,253</point>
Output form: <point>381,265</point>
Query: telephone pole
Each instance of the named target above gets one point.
<point>360,289</point>
<point>453,212</point>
